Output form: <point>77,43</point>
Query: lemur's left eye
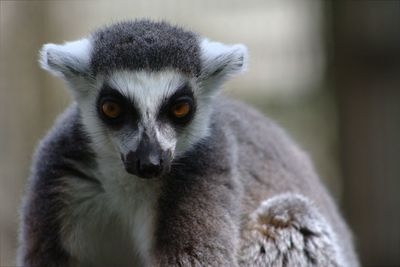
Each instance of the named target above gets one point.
<point>181,109</point>
<point>111,109</point>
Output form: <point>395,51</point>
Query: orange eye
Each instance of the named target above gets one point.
<point>111,109</point>
<point>180,110</point>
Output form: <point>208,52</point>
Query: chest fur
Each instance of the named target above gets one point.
<point>111,225</point>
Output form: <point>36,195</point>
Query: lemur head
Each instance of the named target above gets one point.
<point>145,89</point>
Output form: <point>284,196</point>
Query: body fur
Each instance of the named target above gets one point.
<point>238,192</point>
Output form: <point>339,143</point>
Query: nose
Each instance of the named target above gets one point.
<point>147,161</point>
<point>149,167</point>
<point>143,165</point>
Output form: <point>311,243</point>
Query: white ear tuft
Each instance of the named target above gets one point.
<point>66,60</point>
<point>219,61</point>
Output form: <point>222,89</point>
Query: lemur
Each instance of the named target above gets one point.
<point>152,166</point>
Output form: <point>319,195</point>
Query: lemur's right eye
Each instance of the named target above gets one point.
<point>111,109</point>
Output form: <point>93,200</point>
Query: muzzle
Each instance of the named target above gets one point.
<point>149,160</point>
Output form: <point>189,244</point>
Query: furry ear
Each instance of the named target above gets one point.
<point>67,60</point>
<point>220,61</point>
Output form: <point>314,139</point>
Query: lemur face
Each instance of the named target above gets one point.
<point>145,89</point>
<point>149,117</point>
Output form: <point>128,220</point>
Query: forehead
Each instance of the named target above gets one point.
<point>147,89</point>
<point>142,44</point>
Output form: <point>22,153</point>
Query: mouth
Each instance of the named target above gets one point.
<point>146,170</point>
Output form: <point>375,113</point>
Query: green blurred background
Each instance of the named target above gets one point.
<point>328,71</point>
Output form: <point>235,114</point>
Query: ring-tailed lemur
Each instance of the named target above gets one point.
<point>151,166</point>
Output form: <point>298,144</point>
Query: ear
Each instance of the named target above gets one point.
<point>67,60</point>
<point>220,61</point>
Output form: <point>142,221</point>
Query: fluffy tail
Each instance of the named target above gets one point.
<point>288,230</point>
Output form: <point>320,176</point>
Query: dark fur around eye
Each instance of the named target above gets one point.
<point>186,118</point>
<point>183,94</point>
<point>128,112</point>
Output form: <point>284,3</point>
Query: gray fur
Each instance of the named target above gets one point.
<point>64,146</point>
<point>142,44</point>
<point>242,195</point>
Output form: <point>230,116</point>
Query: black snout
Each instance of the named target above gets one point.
<point>148,167</point>
<point>147,161</point>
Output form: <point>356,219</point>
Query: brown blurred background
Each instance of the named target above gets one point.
<point>328,71</point>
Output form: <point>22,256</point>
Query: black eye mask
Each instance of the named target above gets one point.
<point>128,112</point>
<point>183,95</point>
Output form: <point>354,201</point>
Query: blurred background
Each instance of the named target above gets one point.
<point>327,71</point>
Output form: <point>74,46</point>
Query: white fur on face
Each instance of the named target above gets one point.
<point>149,90</point>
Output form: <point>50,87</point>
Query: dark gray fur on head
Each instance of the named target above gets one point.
<point>145,45</point>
